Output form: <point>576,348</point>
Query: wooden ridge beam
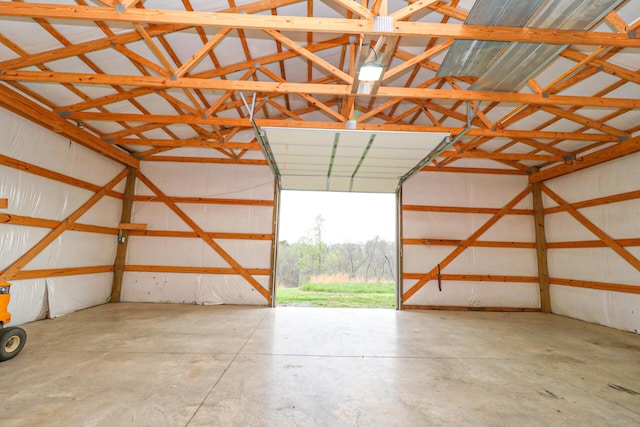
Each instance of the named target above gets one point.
<point>309,88</point>
<point>313,24</point>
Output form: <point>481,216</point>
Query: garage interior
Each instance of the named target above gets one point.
<point>143,149</point>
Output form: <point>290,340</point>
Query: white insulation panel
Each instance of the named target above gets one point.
<point>620,220</point>
<point>37,197</point>
<point>469,190</point>
<point>206,181</point>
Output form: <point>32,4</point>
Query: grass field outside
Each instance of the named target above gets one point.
<point>341,294</point>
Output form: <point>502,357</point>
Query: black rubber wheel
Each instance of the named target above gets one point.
<point>12,340</point>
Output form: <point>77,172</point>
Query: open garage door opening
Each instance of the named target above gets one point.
<point>336,249</point>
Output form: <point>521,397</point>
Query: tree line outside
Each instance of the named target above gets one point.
<point>310,259</point>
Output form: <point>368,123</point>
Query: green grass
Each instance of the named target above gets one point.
<point>357,294</point>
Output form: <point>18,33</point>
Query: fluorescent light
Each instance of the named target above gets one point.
<point>370,72</point>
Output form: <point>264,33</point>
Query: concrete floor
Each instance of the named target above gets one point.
<point>185,365</point>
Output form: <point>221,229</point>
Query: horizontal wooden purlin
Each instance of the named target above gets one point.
<point>480,243</point>
<point>130,226</point>
<point>475,278</point>
<point>34,112</point>
<point>316,25</point>
<point>591,244</point>
<point>179,159</point>
<point>190,234</point>
<point>624,148</point>
<point>195,270</point>
<point>193,142</point>
<point>4,203</point>
<point>453,169</point>
<point>603,286</point>
<point>50,223</point>
<point>305,88</point>
<point>209,201</point>
<point>502,156</point>
<point>631,195</point>
<point>56,176</point>
<point>57,272</point>
<point>466,308</point>
<point>463,209</point>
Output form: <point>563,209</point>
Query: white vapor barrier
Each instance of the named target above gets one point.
<point>476,294</point>
<point>72,293</point>
<point>76,249</point>
<point>465,190</point>
<point>185,288</point>
<point>469,191</point>
<point>28,142</point>
<point>206,181</point>
<point>28,301</point>
<point>210,180</point>
<point>619,220</point>
<point>38,197</point>
<point>613,309</point>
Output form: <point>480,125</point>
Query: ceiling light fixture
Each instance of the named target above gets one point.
<point>370,71</point>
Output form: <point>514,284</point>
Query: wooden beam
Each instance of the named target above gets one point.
<point>541,248</point>
<point>51,223</point>
<point>209,200</point>
<point>591,243</point>
<point>614,198</point>
<point>57,272</point>
<point>477,243</point>
<point>603,286</point>
<point>476,278</point>
<point>204,50</point>
<point>193,234</point>
<point>237,268</point>
<point>463,209</point>
<point>213,160</point>
<point>624,148</point>
<point>21,262</point>
<point>463,245</point>
<point>313,24</point>
<point>32,111</point>
<point>312,88</point>
<point>611,243</point>
<point>4,203</point>
<point>123,236</point>
<point>194,270</point>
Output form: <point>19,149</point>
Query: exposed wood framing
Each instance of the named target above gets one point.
<point>467,308</point>
<point>237,268</point>
<point>464,244</point>
<point>604,237</point>
<point>4,203</point>
<point>541,248</point>
<point>58,272</point>
<point>123,236</point>
<point>8,273</point>
<point>614,287</point>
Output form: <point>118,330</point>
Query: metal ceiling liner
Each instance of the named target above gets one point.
<point>346,160</point>
<point>506,67</point>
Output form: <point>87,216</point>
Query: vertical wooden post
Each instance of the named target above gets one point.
<point>123,236</point>
<point>541,248</point>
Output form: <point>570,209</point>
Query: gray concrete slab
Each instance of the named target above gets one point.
<point>185,365</point>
